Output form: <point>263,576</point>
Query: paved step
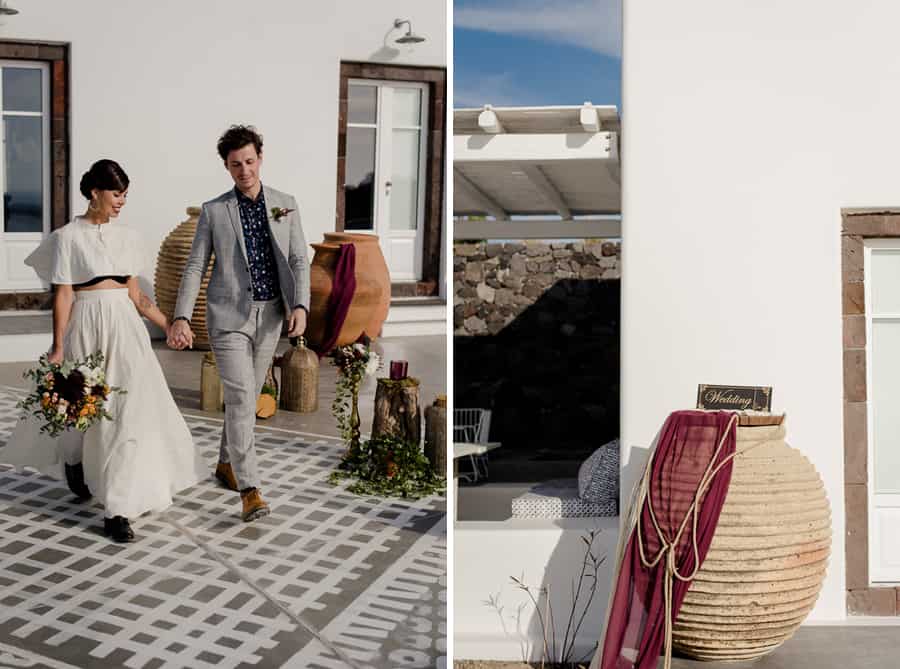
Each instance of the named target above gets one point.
<point>415,316</point>
<point>25,335</point>
<point>25,322</point>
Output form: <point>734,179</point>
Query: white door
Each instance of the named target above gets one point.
<point>24,170</point>
<point>386,157</point>
<point>882,272</point>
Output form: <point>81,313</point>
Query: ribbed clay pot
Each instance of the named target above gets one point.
<point>321,279</point>
<point>172,258</point>
<point>767,561</point>
<point>369,262</point>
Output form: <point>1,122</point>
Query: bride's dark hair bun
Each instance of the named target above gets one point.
<point>105,174</point>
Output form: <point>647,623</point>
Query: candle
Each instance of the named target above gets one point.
<point>398,369</point>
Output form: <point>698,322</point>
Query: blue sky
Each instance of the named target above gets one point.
<point>536,52</point>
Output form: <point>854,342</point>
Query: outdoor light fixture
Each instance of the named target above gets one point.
<point>410,37</point>
<point>9,11</point>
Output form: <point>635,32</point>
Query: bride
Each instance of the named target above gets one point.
<point>135,462</point>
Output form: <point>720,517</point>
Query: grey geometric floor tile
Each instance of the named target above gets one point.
<point>400,621</point>
<point>328,579</point>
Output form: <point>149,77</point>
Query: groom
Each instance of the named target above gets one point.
<point>260,278</point>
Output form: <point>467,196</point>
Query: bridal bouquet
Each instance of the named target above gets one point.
<point>72,394</point>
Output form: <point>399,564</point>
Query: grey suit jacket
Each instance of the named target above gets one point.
<point>230,292</point>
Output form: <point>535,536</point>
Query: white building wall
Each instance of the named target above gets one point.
<point>747,127</point>
<point>494,619</point>
<point>153,85</point>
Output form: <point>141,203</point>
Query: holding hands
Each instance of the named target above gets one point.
<point>179,335</point>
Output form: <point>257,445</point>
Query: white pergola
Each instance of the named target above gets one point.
<point>536,162</point>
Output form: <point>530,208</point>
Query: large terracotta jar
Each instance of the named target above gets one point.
<point>172,258</point>
<point>366,298</point>
<point>767,561</point>
<point>369,262</point>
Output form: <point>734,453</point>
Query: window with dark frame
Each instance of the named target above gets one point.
<point>354,189</point>
<point>34,101</point>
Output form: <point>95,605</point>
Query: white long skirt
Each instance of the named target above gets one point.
<point>137,461</point>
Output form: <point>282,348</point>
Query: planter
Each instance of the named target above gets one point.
<point>362,307</point>
<point>172,258</point>
<point>767,561</point>
<point>369,263</point>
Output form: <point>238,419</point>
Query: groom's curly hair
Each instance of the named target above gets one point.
<point>237,137</point>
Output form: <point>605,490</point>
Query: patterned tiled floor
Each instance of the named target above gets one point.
<point>329,579</point>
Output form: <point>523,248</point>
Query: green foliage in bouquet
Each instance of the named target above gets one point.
<point>353,362</point>
<point>68,395</point>
<point>386,466</point>
<point>269,390</point>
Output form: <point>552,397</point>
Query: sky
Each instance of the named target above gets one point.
<point>537,52</point>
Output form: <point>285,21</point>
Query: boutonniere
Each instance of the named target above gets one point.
<point>279,212</point>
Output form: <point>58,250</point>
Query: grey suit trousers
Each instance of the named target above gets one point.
<point>243,357</point>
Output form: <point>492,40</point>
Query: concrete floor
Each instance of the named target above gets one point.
<point>427,357</point>
<point>824,647</point>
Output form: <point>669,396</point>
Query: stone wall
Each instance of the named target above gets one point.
<point>537,341</point>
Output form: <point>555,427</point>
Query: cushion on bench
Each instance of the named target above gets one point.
<point>559,499</point>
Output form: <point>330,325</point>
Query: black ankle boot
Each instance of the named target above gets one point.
<point>119,529</point>
<point>75,479</point>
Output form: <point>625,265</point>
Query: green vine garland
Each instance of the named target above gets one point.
<point>387,466</point>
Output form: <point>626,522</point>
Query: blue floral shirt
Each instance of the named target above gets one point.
<point>255,223</point>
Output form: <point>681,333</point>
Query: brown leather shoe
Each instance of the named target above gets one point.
<point>226,476</point>
<point>254,506</point>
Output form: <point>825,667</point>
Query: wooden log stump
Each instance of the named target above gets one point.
<point>397,412</point>
<point>436,435</point>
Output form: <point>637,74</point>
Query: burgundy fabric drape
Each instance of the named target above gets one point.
<point>342,289</point>
<point>636,627</point>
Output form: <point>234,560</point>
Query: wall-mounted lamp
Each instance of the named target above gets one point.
<point>410,37</point>
<point>6,10</point>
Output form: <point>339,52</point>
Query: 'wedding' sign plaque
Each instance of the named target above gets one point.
<point>734,398</point>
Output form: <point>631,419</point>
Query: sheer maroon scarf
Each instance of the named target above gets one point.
<point>636,627</point>
<point>342,289</point>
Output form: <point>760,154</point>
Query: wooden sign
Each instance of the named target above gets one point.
<point>734,398</point>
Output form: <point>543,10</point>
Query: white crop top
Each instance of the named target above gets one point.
<point>80,251</point>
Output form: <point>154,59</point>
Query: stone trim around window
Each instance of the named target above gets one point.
<point>858,225</point>
<point>436,78</point>
<point>56,55</point>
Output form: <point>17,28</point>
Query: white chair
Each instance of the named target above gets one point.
<point>472,426</point>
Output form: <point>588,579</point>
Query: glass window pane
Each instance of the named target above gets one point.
<point>22,89</point>
<point>405,180</point>
<point>362,104</point>
<point>23,198</point>
<point>407,107</point>
<point>359,180</point>
<point>885,417</point>
<point>885,268</point>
